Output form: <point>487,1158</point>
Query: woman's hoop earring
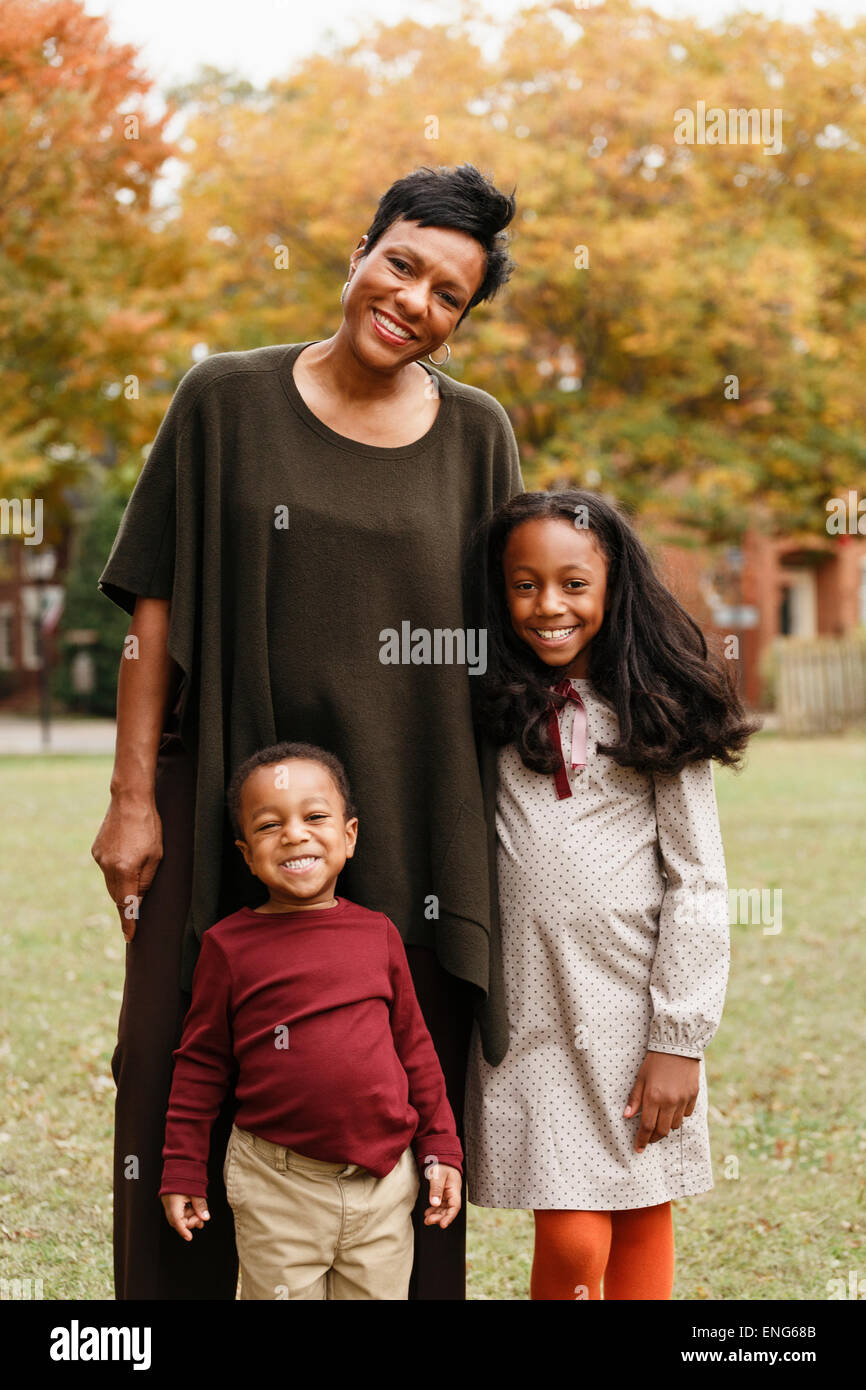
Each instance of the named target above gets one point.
<point>343,291</point>
<point>447,357</point>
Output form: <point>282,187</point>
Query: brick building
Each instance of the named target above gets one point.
<point>797,586</point>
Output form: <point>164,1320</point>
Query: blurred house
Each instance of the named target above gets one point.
<point>31,602</point>
<point>792,586</point>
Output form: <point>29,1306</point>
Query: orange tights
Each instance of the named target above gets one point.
<point>633,1251</point>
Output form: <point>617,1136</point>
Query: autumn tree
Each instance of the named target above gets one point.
<point>89,314</point>
<point>687,323</point>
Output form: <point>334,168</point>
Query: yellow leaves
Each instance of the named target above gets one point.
<point>129,323</point>
<point>784,468</point>
<point>690,276</point>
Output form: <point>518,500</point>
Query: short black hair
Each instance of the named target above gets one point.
<point>462,199</point>
<point>283,753</point>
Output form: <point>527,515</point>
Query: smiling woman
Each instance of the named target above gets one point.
<point>257,633</point>
<point>409,287</point>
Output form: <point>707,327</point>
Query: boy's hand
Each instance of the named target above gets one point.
<point>665,1092</point>
<point>185,1213</point>
<point>445,1184</point>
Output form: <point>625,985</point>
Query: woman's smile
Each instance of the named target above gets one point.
<point>389,329</point>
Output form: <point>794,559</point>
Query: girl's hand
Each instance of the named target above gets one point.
<point>445,1184</point>
<point>665,1091</point>
<point>185,1213</point>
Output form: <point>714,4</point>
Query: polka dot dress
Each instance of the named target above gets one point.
<point>615,940</point>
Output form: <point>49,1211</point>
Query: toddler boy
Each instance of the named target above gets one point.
<point>309,1000</point>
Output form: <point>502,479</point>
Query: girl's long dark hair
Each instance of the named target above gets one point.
<point>675,702</point>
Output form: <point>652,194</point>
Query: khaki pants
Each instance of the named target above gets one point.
<point>315,1230</point>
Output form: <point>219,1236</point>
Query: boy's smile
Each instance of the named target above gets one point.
<point>297,838</point>
<point>555,584</point>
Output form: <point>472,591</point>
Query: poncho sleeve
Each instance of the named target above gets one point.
<point>155,553</point>
<point>490,1008</point>
<point>142,558</point>
<point>171,522</point>
<point>507,477</point>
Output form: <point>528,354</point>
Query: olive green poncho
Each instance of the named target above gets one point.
<point>298,561</point>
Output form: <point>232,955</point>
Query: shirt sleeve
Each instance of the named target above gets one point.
<point>509,479</point>
<point>142,558</point>
<point>203,1069</point>
<point>690,969</point>
<point>436,1136</point>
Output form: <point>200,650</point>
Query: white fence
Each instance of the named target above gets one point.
<point>820,682</point>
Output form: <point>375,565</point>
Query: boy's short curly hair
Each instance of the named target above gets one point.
<point>283,753</point>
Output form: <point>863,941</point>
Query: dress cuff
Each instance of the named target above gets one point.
<point>675,1051</point>
<point>677,1038</point>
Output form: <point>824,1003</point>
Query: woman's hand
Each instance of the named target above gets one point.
<point>665,1092</point>
<point>128,850</point>
<point>128,846</point>
<point>184,1213</point>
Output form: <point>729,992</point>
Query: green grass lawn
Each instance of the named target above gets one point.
<point>785,1074</point>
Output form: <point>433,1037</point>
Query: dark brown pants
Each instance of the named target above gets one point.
<point>151,1261</point>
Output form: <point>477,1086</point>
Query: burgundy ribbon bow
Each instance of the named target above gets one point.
<point>578,735</point>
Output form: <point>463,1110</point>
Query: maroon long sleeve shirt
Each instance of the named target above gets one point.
<point>315,1015</point>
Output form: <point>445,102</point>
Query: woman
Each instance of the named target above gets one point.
<point>292,560</point>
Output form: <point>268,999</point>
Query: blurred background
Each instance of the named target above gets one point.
<point>685,331</point>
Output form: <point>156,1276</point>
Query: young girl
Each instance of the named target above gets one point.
<point>613,901</point>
